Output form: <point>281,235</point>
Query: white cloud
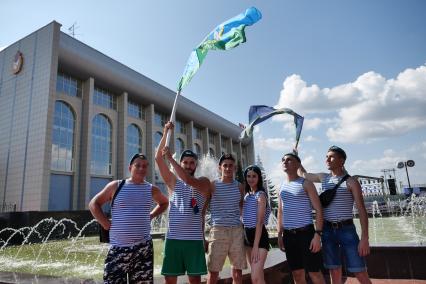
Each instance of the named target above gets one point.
<point>367,109</point>
<point>310,138</point>
<point>312,123</point>
<point>276,144</point>
<point>372,167</point>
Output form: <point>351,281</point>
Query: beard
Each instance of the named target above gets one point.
<point>190,172</point>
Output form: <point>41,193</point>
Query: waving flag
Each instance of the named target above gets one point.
<point>225,36</point>
<point>260,113</point>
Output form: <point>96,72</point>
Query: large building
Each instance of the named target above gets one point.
<point>70,117</point>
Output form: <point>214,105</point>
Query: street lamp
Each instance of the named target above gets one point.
<point>409,163</point>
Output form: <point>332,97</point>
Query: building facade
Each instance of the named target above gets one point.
<point>70,118</point>
<point>371,186</point>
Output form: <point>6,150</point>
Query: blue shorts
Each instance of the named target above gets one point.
<point>336,241</point>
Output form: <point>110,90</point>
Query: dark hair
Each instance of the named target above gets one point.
<point>258,171</point>
<point>291,155</point>
<point>188,153</point>
<point>338,150</point>
<point>226,157</point>
<point>135,156</point>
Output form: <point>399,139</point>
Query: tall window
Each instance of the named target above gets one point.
<point>212,136</point>
<point>180,127</point>
<point>211,152</point>
<point>68,85</point>
<point>196,133</point>
<point>157,138</point>
<point>101,145</point>
<point>104,98</point>
<point>63,138</point>
<point>223,143</point>
<point>160,119</point>
<point>134,141</point>
<point>179,147</point>
<point>134,110</point>
<point>197,149</point>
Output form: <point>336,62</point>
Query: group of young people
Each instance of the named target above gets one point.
<point>239,215</point>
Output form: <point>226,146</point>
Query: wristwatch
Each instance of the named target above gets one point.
<point>319,232</point>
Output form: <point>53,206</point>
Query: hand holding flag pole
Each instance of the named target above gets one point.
<point>226,36</point>
<point>172,117</point>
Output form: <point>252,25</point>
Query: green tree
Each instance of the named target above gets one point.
<point>269,186</point>
<point>239,174</point>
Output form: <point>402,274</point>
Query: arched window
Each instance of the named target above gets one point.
<point>179,147</point>
<point>211,152</point>
<point>101,156</point>
<point>63,138</point>
<point>157,138</point>
<point>197,149</point>
<point>134,141</point>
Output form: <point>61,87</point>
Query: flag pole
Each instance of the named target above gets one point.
<point>172,117</point>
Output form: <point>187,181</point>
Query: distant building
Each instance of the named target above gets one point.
<point>70,118</point>
<point>371,186</point>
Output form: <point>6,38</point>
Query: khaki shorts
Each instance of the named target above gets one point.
<point>226,241</point>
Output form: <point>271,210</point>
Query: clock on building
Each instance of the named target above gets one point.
<point>18,61</point>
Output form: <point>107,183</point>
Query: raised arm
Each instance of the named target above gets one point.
<point>161,200</point>
<point>168,177</point>
<point>102,197</point>
<point>318,177</point>
<point>201,184</point>
<point>316,204</point>
<point>354,186</point>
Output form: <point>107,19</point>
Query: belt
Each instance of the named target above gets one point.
<point>339,224</point>
<point>297,230</point>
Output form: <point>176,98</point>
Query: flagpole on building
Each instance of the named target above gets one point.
<point>172,117</point>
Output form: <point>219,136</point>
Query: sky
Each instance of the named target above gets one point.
<point>356,70</point>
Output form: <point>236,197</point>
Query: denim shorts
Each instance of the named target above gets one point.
<point>338,241</point>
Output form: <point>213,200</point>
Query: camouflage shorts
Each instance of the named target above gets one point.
<point>134,262</point>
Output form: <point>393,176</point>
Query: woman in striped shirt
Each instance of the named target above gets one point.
<point>255,216</point>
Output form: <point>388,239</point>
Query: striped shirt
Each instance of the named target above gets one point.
<point>342,205</point>
<point>250,208</point>
<point>225,204</point>
<point>130,214</point>
<point>184,224</point>
<point>296,205</point>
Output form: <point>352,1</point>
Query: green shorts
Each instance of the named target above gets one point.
<point>182,256</point>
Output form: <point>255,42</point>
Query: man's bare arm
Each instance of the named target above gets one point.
<point>102,197</point>
<point>168,177</point>
<point>201,184</point>
<point>313,177</point>
<point>355,188</point>
<point>161,200</point>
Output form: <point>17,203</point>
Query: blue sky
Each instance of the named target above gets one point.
<point>355,69</point>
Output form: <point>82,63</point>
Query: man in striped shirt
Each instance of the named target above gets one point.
<point>227,233</point>
<point>339,234</point>
<point>184,244</point>
<point>297,235</point>
<point>130,256</point>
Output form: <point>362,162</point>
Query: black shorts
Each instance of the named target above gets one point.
<point>250,233</point>
<point>299,256</point>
